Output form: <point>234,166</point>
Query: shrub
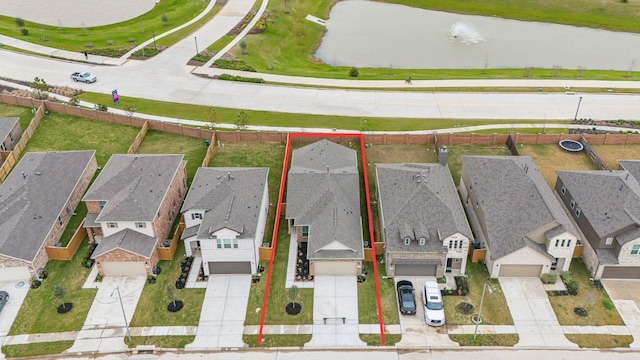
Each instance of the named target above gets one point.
<point>131,39</point>
<point>354,72</point>
<point>608,304</point>
<point>20,22</point>
<point>462,285</point>
<point>549,278</point>
<point>233,65</point>
<point>442,280</point>
<point>110,52</point>
<point>240,78</point>
<point>201,58</point>
<point>24,31</point>
<point>110,42</point>
<point>74,101</point>
<point>570,283</point>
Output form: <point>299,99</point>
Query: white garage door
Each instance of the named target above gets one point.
<point>124,268</point>
<point>17,273</point>
<point>335,267</point>
<point>520,270</point>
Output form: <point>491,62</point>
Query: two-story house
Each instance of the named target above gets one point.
<point>131,207</point>
<point>10,132</point>
<point>422,222</point>
<point>225,214</point>
<point>323,207</point>
<point>516,217</point>
<point>36,202</point>
<point>606,207</point>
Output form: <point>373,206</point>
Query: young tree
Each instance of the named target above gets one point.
<point>130,110</point>
<point>59,292</point>
<point>39,88</point>
<point>292,295</point>
<point>243,46</point>
<point>242,120</point>
<point>211,115</point>
<point>20,22</point>
<point>170,294</point>
<point>165,19</point>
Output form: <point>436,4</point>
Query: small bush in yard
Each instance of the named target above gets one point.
<point>570,283</point>
<point>549,278</point>
<point>607,304</point>
<point>354,72</point>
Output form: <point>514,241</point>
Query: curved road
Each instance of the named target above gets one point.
<point>166,78</point>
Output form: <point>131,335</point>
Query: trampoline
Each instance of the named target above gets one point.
<point>571,145</point>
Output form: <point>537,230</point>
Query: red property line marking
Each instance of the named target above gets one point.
<point>277,220</point>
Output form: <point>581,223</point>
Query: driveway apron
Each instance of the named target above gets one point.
<point>17,292</point>
<point>223,313</point>
<point>415,333</point>
<point>534,319</point>
<point>335,312</point>
<point>104,328</point>
<point>626,297</point>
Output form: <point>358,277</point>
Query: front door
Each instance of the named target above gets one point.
<point>449,264</point>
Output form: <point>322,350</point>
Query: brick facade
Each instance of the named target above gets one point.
<point>125,256</point>
<point>171,204</point>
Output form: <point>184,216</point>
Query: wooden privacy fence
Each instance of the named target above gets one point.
<point>135,145</point>
<point>166,253</point>
<point>13,156</point>
<point>368,254</point>
<point>593,155</point>
<point>67,252</point>
<point>209,154</point>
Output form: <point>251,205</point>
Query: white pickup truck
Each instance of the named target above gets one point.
<point>84,77</point>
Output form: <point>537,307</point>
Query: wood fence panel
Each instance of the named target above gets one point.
<point>67,252</point>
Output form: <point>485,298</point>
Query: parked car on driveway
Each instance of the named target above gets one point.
<point>83,77</point>
<point>4,298</point>
<point>406,299</point>
<point>433,306</point>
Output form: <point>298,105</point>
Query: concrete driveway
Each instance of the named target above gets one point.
<point>534,319</point>
<point>223,313</point>
<point>415,332</point>
<point>17,292</point>
<point>104,327</point>
<point>626,297</point>
<point>335,312</point>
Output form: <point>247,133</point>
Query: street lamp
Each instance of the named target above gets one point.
<point>196,38</point>
<point>123,314</point>
<point>478,318</point>
<point>578,109</point>
<point>153,33</point>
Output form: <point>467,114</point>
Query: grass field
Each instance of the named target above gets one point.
<point>550,158</point>
<point>122,35</point>
<point>600,308</point>
<point>456,152</point>
<point>24,113</point>
<point>610,154</point>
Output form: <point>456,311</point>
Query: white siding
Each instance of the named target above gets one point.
<point>107,231</point>
<point>524,256</point>
<point>459,253</point>
<point>188,221</point>
<point>244,252</point>
<point>562,252</point>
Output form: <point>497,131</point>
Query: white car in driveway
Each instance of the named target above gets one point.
<point>433,306</point>
<point>83,77</point>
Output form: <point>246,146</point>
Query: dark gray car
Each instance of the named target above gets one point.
<point>4,298</point>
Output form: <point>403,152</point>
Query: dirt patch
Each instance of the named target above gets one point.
<point>610,154</point>
<point>549,158</point>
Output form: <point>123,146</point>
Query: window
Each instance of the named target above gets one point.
<point>563,190</point>
<point>572,204</point>
<point>112,225</point>
<point>235,243</point>
<point>477,203</point>
<point>557,242</point>
<point>609,241</point>
<point>422,241</point>
<point>569,243</point>
<point>562,243</point>
<point>407,241</point>
<point>219,244</point>
<point>578,212</point>
<point>635,250</point>
<point>179,195</point>
<point>227,243</point>
<point>455,244</point>
<point>141,225</point>
<point>450,244</point>
<point>305,231</point>
<point>102,204</point>
<point>196,216</point>
<point>60,220</point>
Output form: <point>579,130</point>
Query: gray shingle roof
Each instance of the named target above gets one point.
<point>515,199</point>
<point>231,198</point>
<point>632,166</point>
<point>128,240</point>
<point>323,192</point>
<point>31,203</point>
<point>133,186</point>
<point>6,125</point>
<point>610,200</point>
<point>419,199</point>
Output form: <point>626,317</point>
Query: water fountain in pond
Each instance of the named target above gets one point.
<point>465,33</point>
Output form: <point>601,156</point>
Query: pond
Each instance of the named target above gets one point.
<point>370,34</point>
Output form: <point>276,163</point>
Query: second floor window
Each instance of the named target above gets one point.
<point>305,231</point>
<point>196,216</point>
<point>112,225</point>
<point>635,250</point>
<point>141,225</point>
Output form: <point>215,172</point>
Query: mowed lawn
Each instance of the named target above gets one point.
<point>610,154</point>
<point>456,151</point>
<point>551,158</point>
<point>158,142</point>
<point>59,132</point>
<point>24,113</point>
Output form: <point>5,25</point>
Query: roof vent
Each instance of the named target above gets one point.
<point>38,173</point>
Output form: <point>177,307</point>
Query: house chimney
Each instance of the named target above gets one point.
<point>442,155</point>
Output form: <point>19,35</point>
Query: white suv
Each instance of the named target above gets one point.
<point>433,306</point>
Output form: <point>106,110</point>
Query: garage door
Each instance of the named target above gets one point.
<point>17,273</point>
<point>415,270</point>
<point>124,268</point>
<point>621,272</point>
<point>520,270</point>
<point>335,267</point>
<point>231,267</point>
